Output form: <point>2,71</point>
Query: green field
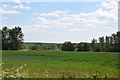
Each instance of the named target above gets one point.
<point>56,64</point>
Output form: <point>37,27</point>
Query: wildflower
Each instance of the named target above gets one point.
<point>15,73</point>
<point>47,75</point>
<point>46,72</point>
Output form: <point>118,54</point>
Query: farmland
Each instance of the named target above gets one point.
<point>56,64</point>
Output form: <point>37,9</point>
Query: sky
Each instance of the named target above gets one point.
<point>57,22</point>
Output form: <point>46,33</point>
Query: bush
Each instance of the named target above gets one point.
<point>68,46</point>
<point>35,47</point>
<point>84,47</point>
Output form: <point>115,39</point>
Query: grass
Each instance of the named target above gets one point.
<point>56,64</point>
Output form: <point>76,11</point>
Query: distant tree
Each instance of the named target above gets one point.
<point>5,38</point>
<point>94,45</point>
<point>36,47</point>
<point>80,46</point>
<point>12,38</point>
<point>102,44</point>
<point>86,47</point>
<point>107,43</point>
<point>113,42</point>
<point>68,46</point>
<point>0,39</point>
<point>118,42</point>
<point>16,38</point>
<point>59,46</point>
<point>54,47</point>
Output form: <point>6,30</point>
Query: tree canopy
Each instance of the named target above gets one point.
<point>12,38</point>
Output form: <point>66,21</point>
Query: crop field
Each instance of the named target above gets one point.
<point>58,64</point>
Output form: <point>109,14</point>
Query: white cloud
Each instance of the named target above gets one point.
<point>39,19</point>
<point>17,1</point>
<point>51,23</point>
<point>4,18</point>
<point>35,26</point>
<point>110,4</point>
<point>9,11</point>
<point>20,6</point>
<point>50,14</point>
<point>28,2</point>
<point>3,21</point>
<point>98,19</point>
<point>90,25</point>
<point>53,14</point>
<point>78,29</point>
<point>4,6</point>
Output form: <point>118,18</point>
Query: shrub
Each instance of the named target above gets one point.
<point>68,46</point>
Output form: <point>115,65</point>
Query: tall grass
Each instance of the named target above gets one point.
<point>59,64</point>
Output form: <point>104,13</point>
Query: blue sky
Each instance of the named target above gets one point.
<point>61,21</point>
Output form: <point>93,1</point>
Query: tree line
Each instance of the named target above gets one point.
<point>12,39</point>
<point>103,44</point>
<point>108,43</point>
<point>41,47</point>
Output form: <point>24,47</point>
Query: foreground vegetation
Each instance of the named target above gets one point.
<point>59,64</point>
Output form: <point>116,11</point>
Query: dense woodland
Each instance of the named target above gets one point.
<point>12,39</point>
